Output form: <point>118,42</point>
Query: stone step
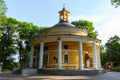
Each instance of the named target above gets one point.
<point>70,72</point>
<point>25,71</point>
<point>29,71</point>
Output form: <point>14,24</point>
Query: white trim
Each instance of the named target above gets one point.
<point>65,50</point>
<point>65,64</point>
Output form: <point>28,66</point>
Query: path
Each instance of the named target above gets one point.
<point>105,76</point>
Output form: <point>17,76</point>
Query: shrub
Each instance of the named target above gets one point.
<point>116,69</point>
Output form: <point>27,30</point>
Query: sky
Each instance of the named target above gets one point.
<point>44,13</point>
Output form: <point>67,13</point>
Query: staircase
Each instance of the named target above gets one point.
<point>26,71</point>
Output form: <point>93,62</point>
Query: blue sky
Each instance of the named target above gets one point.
<point>105,18</point>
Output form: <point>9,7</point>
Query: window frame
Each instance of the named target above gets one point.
<point>66,62</point>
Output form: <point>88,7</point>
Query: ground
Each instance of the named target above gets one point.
<point>104,76</point>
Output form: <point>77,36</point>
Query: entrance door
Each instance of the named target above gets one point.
<point>87,61</point>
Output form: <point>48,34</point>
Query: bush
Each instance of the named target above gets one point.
<point>5,70</point>
<point>116,69</point>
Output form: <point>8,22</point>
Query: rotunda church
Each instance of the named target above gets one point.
<point>65,47</point>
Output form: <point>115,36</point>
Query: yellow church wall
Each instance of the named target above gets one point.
<point>52,61</point>
<point>73,60</point>
<point>72,52</point>
<point>52,46</point>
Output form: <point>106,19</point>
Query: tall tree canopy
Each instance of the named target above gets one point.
<point>26,32</point>
<point>15,36</point>
<point>86,25</point>
<point>7,49</point>
<point>113,50</point>
<point>3,10</point>
<point>116,3</point>
<point>103,55</point>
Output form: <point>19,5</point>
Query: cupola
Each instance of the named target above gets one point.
<point>64,19</point>
<point>63,15</point>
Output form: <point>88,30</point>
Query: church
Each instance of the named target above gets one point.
<point>64,47</point>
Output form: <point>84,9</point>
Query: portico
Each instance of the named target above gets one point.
<point>60,51</point>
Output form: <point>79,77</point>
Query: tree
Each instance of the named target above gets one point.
<point>86,25</point>
<point>3,10</point>
<point>116,3</point>
<point>103,55</point>
<point>7,47</point>
<point>113,50</point>
<point>26,31</point>
<point>15,39</point>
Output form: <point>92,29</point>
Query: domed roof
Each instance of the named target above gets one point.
<point>63,27</point>
<point>60,24</point>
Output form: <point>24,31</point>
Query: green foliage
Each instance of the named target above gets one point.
<point>26,31</point>
<point>116,3</point>
<point>113,50</point>
<point>103,55</point>
<point>15,37</point>
<point>116,69</point>
<point>86,25</point>
<point>3,10</point>
<point>5,70</point>
<point>7,48</point>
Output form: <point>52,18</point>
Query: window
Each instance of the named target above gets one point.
<point>66,58</point>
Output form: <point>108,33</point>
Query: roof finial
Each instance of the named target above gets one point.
<point>63,6</point>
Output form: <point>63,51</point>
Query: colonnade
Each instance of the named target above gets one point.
<point>96,56</point>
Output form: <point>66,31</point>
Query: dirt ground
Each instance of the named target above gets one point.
<point>104,76</point>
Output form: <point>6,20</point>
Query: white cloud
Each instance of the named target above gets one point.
<point>92,18</point>
<point>109,27</point>
<point>107,23</point>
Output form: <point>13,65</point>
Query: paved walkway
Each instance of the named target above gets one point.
<point>105,76</point>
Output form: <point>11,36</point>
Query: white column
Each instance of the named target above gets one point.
<point>31,57</point>
<point>80,56</point>
<point>59,54</point>
<point>41,55</point>
<point>99,60</point>
<point>95,56</point>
